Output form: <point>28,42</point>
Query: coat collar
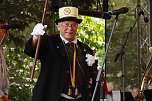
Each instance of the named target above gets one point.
<point>60,45</point>
<point>66,41</point>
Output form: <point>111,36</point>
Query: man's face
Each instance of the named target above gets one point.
<point>68,29</point>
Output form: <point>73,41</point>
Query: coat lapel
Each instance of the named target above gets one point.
<point>60,46</point>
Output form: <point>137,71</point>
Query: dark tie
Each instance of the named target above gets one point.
<point>70,44</point>
<point>70,50</point>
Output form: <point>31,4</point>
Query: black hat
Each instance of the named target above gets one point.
<point>68,13</point>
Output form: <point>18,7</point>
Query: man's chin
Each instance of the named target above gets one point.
<point>70,38</point>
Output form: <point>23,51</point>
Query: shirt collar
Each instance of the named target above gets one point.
<point>66,41</point>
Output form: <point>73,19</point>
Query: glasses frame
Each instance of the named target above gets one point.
<point>69,25</point>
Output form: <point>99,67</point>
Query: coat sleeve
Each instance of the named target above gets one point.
<point>30,50</point>
<point>93,71</point>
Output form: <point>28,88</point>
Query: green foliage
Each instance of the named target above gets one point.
<point>91,31</point>
<point>20,65</point>
<point>123,28</point>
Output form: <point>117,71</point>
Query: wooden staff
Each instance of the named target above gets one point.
<point>39,41</point>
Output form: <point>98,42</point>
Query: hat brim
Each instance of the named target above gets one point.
<point>69,19</point>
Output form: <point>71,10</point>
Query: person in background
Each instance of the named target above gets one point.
<point>3,69</point>
<point>68,67</point>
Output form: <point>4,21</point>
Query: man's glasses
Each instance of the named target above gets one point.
<point>69,25</point>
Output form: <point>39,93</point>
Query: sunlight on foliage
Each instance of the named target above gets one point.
<point>92,32</point>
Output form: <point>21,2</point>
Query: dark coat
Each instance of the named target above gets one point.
<point>54,69</point>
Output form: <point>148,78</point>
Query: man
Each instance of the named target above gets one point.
<point>68,71</point>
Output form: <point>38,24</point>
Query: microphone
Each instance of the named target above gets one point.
<point>146,20</point>
<point>98,14</point>
<point>104,15</point>
<point>122,10</point>
<point>10,26</point>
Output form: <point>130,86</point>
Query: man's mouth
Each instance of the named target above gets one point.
<point>70,32</point>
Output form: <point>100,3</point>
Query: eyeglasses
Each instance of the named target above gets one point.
<point>69,25</point>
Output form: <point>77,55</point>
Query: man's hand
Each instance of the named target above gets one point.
<point>38,30</point>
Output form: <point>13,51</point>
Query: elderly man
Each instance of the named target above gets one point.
<point>68,67</point>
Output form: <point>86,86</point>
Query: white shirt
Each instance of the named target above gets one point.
<point>66,41</point>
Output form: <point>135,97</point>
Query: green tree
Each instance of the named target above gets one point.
<point>28,12</point>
